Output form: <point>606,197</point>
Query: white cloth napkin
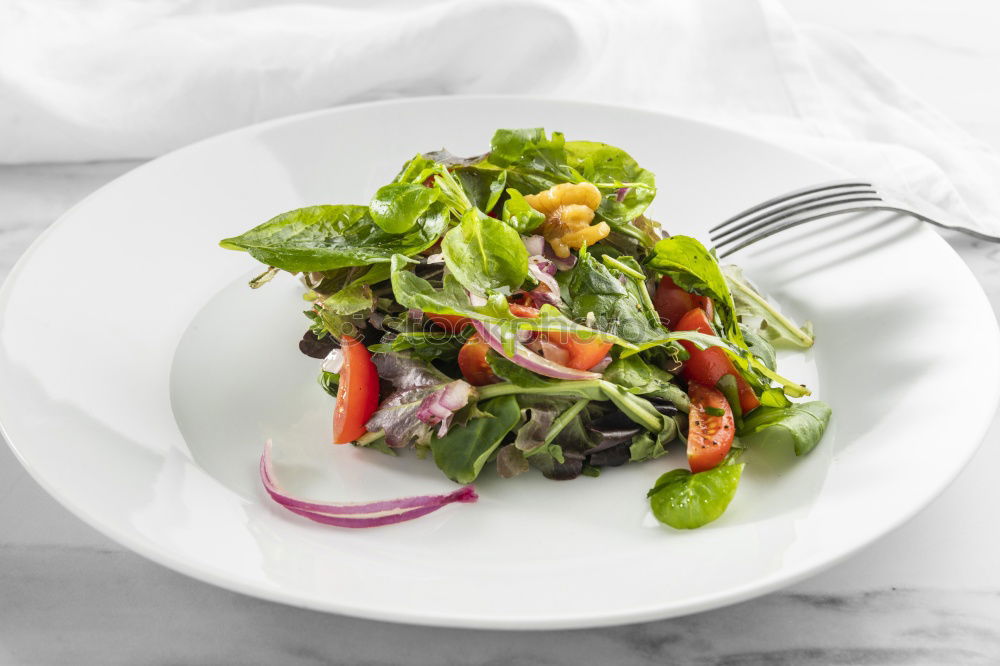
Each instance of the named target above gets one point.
<point>115,79</point>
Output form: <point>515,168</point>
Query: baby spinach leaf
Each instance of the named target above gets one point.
<point>482,186</point>
<point>462,453</point>
<point>611,168</point>
<point>320,238</point>
<point>694,268</point>
<point>530,150</point>
<point>519,214</point>
<point>685,501</point>
<point>396,207</point>
<point>749,304</point>
<point>485,254</point>
<point>801,425</point>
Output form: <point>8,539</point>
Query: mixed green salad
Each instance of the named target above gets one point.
<point>519,310</point>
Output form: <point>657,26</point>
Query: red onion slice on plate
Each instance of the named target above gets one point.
<point>359,514</point>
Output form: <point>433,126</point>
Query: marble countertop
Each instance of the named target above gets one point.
<point>929,593</point>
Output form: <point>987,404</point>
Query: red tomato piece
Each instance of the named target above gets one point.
<point>672,303</point>
<point>472,362</point>
<point>357,393</point>
<point>708,366</point>
<point>710,433</point>
<point>450,323</point>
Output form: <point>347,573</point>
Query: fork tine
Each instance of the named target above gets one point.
<point>791,220</point>
<point>761,221</point>
<point>813,189</point>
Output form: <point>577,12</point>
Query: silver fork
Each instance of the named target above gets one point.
<point>814,203</point>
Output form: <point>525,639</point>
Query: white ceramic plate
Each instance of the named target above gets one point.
<point>139,377</point>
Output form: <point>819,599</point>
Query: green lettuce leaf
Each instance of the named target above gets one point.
<point>685,501</point>
<point>800,425</point>
<point>775,326</point>
<point>397,207</point>
<point>484,254</point>
<point>320,238</point>
<point>462,453</point>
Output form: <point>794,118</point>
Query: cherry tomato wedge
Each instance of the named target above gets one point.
<point>450,323</point>
<point>472,362</point>
<point>357,393</point>
<point>708,366</point>
<point>711,427</point>
<point>581,353</point>
<point>519,310</point>
<point>672,303</point>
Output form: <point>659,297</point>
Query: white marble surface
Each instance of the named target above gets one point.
<point>927,594</point>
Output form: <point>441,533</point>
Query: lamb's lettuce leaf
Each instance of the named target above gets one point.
<point>800,425</point>
<point>519,214</point>
<point>685,501</point>
<point>321,238</point>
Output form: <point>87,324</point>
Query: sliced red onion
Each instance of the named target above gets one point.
<point>543,296</point>
<point>561,263</point>
<point>534,244</point>
<point>359,514</point>
<point>622,193</point>
<point>554,353</point>
<point>334,361</point>
<point>539,268</point>
<point>415,314</point>
<point>441,405</point>
<point>528,359</point>
<point>602,364</point>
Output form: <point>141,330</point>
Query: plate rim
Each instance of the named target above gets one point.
<point>757,587</point>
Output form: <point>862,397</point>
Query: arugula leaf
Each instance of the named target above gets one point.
<point>693,268</point>
<point>759,347</point>
<point>320,238</point>
<point>685,501</point>
<point>462,453</point>
<point>485,254</point>
<point>802,425</point>
<point>523,382</point>
<point>596,294</point>
<point>636,376</point>
<point>396,207</point>
<point>519,214</point>
<point>749,304</point>
<point>645,447</point>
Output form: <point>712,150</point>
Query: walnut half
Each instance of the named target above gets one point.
<point>569,210</point>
